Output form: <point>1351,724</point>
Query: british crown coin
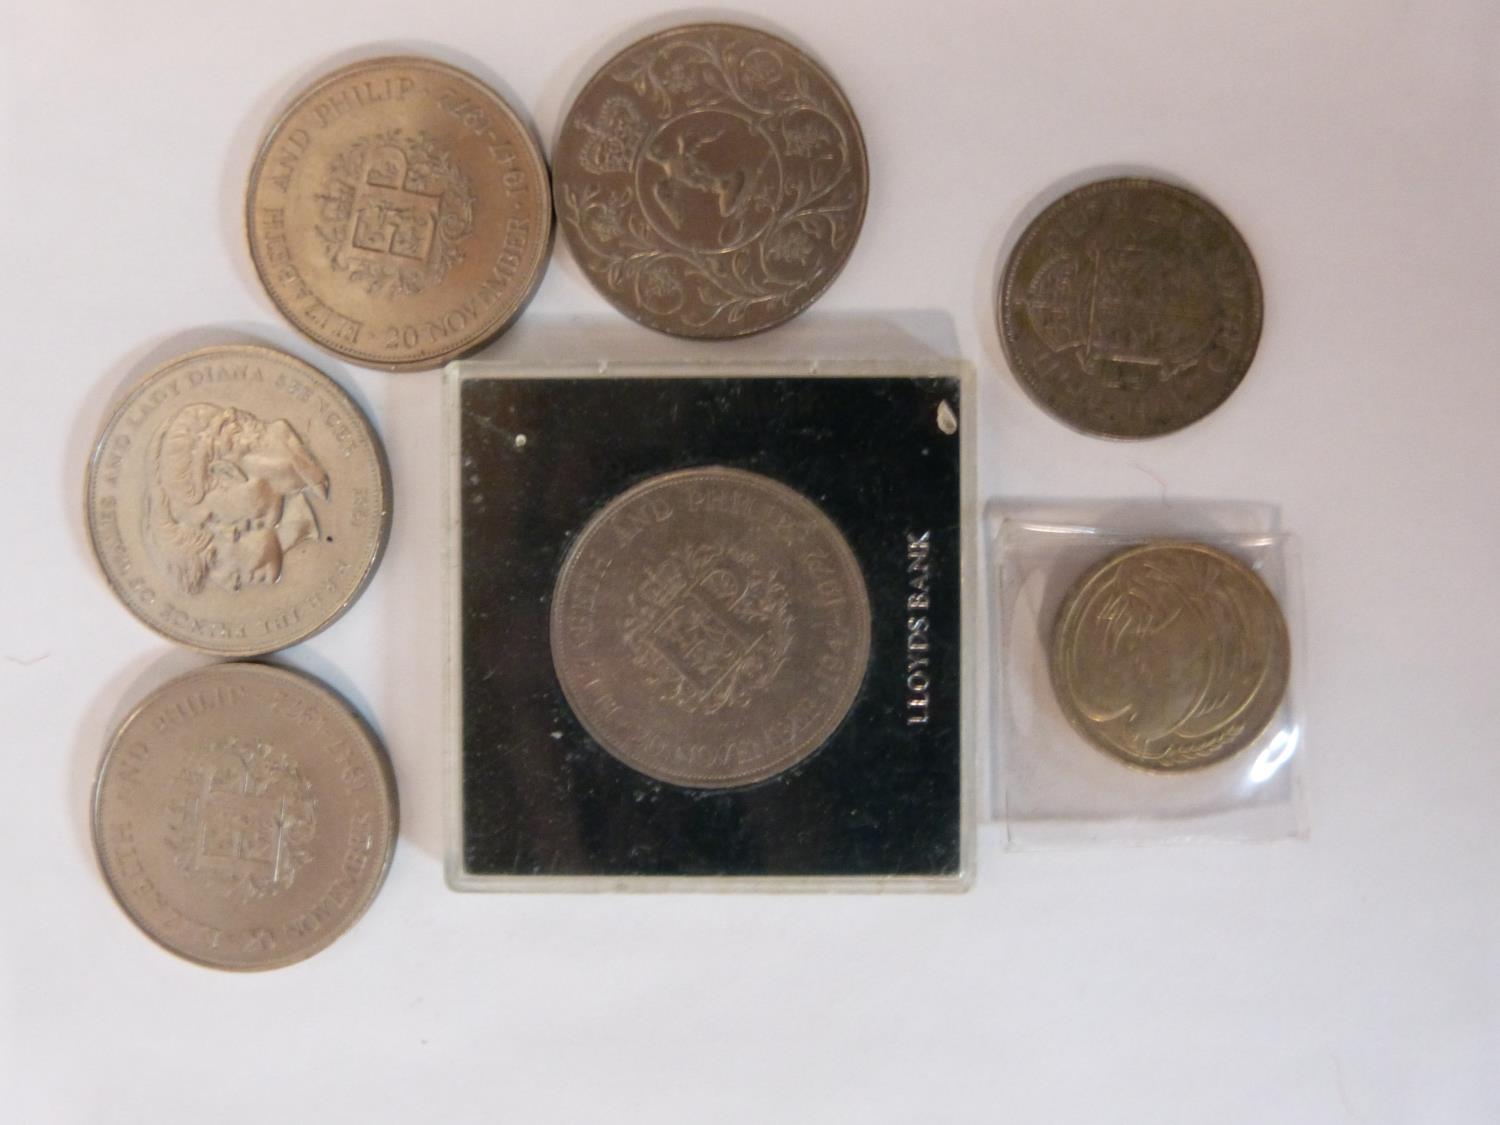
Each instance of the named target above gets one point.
<point>399,213</point>
<point>710,627</point>
<point>711,180</point>
<point>244,816</point>
<point>1130,308</point>
<point>237,500</point>
<point>1170,655</point>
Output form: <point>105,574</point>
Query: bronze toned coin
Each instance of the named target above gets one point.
<point>244,816</point>
<point>237,500</point>
<point>1130,308</point>
<point>710,627</point>
<point>711,180</point>
<point>399,213</point>
<point>1170,655</point>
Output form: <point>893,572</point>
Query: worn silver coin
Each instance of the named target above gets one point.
<point>1130,308</point>
<point>711,180</point>
<point>244,816</point>
<point>710,627</point>
<point>237,500</point>
<point>398,213</point>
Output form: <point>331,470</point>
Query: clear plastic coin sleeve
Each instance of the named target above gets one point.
<point>1049,784</point>
<point>639,548</point>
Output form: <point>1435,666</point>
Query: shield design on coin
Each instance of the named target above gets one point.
<point>710,627</point>
<point>395,210</point>
<point>1124,307</point>
<point>243,816</point>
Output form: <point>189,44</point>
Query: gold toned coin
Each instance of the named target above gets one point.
<point>244,816</point>
<point>399,213</point>
<point>237,500</point>
<point>711,180</point>
<point>1170,655</point>
<point>710,627</point>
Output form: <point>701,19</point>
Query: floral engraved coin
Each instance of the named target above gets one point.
<point>710,627</point>
<point>1170,655</point>
<point>237,500</point>
<point>399,213</point>
<point>1130,308</point>
<point>244,817</point>
<point>711,179</point>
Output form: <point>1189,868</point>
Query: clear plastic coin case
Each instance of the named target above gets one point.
<point>563,472</point>
<point>1051,786</point>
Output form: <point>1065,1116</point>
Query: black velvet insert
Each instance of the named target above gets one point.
<point>538,458</point>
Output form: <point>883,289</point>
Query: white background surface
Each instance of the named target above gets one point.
<point>1352,977</point>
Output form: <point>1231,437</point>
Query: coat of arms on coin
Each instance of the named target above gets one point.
<point>399,213</point>
<point>710,627</point>
<point>711,180</point>
<point>1170,655</point>
<point>244,816</point>
<point>1130,308</point>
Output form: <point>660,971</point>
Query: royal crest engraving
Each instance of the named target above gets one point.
<point>242,819</point>
<point>709,627</point>
<point>711,180</point>
<point>226,822</point>
<point>395,211</point>
<point>399,212</point>
<point>1130,308</point>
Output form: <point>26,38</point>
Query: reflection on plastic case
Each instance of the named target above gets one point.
<point>1056,779</point>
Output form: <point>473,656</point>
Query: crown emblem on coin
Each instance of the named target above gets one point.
<point>395,210</point>
<point>614,137</point>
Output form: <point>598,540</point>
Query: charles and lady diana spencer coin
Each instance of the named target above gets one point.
<point>237,500</point>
